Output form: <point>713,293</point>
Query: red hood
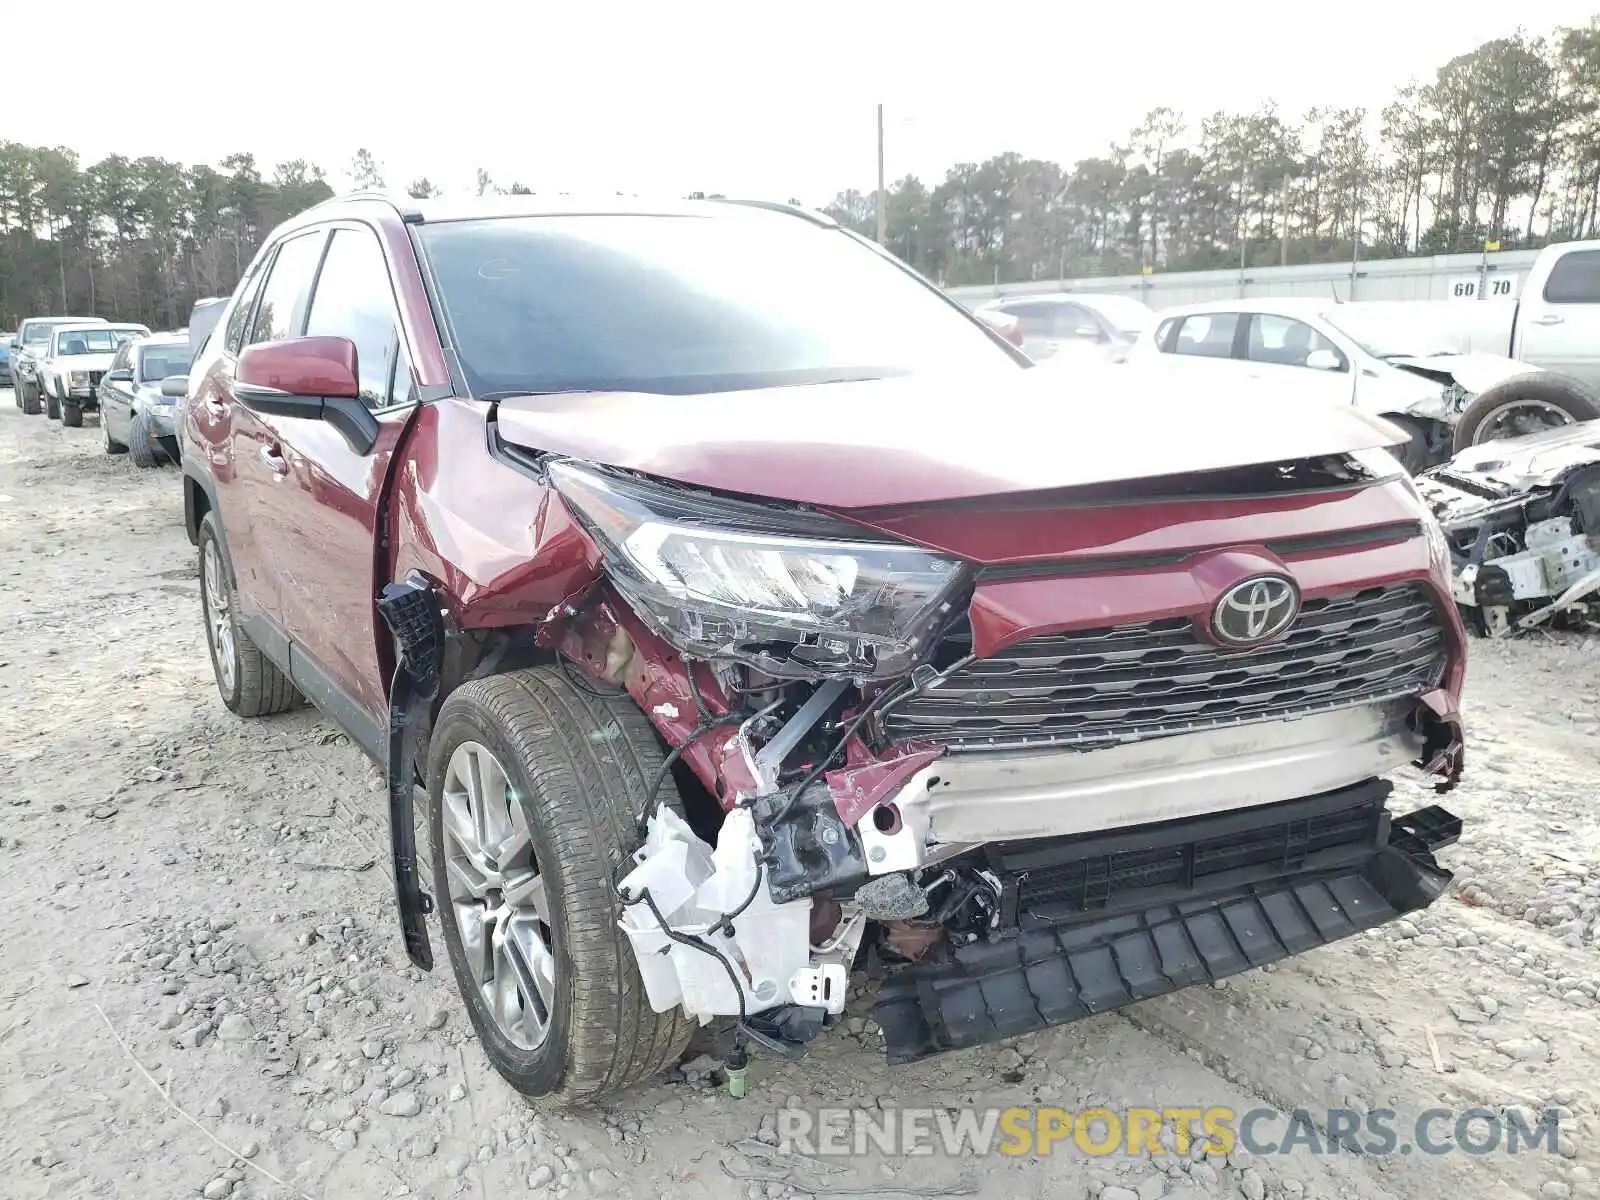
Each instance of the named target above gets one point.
<point>916,440</point>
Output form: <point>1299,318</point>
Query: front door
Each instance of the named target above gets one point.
<point>1559,328</point>
<point>333,494</point>
<point>1306,363</point>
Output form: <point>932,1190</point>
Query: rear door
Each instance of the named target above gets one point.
<point>116,395</point>
<point>1200,346</point>
<point>329,507</point>
<point>246,456</point>
<point>1558,326</point>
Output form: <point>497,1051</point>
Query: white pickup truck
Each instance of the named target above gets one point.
<point>1554,325</point>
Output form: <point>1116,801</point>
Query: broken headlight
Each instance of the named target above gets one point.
<point>780,589</point>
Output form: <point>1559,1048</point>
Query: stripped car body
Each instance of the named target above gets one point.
<point>1523,520</point>
<point>928,683</point>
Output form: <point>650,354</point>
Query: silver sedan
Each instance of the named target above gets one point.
<point>134,415</point>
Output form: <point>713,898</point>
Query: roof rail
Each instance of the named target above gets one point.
<point>404,205</point>
<point>793,210</point>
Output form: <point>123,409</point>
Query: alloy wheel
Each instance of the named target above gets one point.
<point>1520,417</point>
<point>497,895</point>
<point>219,620</point>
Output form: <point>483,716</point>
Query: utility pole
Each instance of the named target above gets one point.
<point>1244,222</point>
<point>883,200</point>
<point>1283,220</point>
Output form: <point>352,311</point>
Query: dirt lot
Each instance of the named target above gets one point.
<point>201,975</point>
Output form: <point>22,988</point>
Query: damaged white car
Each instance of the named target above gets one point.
<point>1523,520</point>
<point>1392,360</point>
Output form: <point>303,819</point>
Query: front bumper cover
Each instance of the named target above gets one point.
<point>1051,974</point>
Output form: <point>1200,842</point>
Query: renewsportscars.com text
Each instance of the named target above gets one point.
<point>845,1132</point>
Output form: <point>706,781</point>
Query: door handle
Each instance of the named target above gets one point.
<point>1549,319</point>
<point>275,461</point>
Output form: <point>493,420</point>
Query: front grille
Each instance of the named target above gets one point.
<point>95,377</point>
<point>1127,683</point>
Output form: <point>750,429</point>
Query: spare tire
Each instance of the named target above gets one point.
<point>1522,405</point>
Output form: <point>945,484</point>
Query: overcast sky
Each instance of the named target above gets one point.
<point>754,98</point>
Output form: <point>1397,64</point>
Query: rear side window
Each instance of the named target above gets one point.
<point>239,319</point>
<point>1207,335</point>
<point>1575,279</point>
<point>355,300</point>
<point>1037,320</point>
<point>283,300</point>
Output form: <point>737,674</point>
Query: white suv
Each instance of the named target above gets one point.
<point>72,363</point>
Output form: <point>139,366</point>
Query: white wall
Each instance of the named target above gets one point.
<point>1441,277</point>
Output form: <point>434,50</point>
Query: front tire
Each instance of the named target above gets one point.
<point>52,406</point>
<point>527,760</point>
<point>250,683</point>
<point>71,414</point>
<point>1524,405</point>
<point>1415,456</point>
<point>142,443</point>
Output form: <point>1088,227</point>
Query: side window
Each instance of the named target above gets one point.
<point>1070,320</point>
<point>283,298</point>
<point>239,319</point>
<point>403,389</point>
<point>1286,342</point>
<point>1037,320</point>
<point>122,358</point>
<point>355,300</point>
<point>1575,279</point>
<point>1207,335</point>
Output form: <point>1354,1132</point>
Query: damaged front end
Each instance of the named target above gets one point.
<point>1522,519</point>
<point>1017,810</point>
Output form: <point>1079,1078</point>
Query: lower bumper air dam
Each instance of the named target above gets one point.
<point>1051,975</point>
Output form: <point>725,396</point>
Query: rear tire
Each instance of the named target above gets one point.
<point>30,399</point>
<point>1415,456</point>
<point>579,765</point>
<point>142,443</point>
<point>1546,395</point>
<point>71,415</point>
<point>250,683</point>
<point>52,406</point>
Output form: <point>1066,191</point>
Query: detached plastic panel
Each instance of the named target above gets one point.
<point>1052,975</point>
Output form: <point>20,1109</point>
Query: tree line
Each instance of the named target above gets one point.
<point>142,239</point>
<point>1503,144</point>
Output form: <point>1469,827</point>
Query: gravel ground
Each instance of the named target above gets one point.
<point>203,992</point>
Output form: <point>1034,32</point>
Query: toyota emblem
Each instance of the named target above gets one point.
<point>1255,610</point>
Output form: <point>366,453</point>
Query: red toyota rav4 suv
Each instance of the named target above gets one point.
<point>748,614</point>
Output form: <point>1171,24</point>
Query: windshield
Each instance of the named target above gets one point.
<point>686,304</point>
<point>1388,333</point>
<point>1126,314</point>
<point>170,358</point>
<point>88,341</point>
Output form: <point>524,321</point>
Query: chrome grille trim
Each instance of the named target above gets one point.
<point>1129,683</point>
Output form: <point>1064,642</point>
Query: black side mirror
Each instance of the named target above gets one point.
<point>119,376</point>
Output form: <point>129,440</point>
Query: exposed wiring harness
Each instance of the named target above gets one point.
<point>684,939</point>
